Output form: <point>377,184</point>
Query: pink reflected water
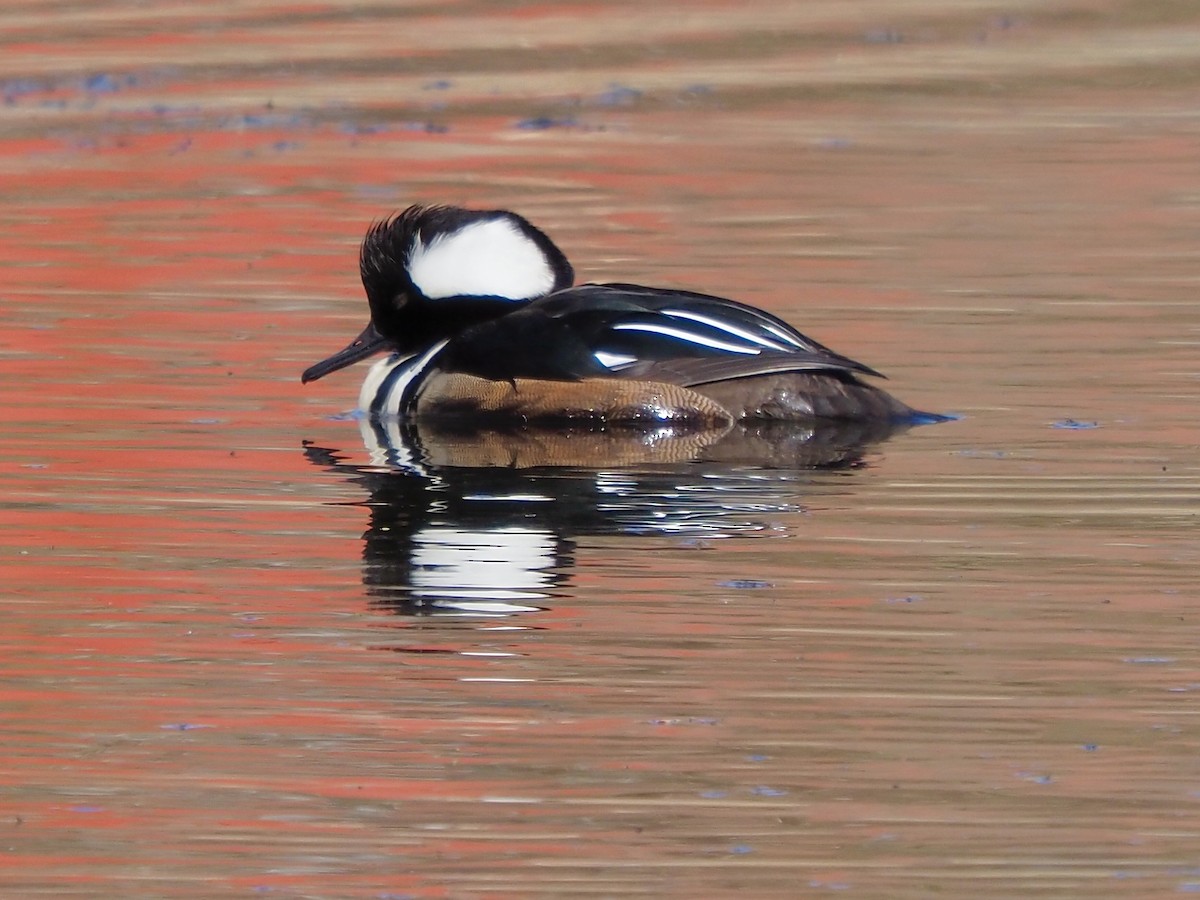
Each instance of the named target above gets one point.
<point>250,650</point>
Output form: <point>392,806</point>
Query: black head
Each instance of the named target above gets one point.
<point>431,271</point>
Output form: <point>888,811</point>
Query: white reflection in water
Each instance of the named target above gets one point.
<point>482,571</point>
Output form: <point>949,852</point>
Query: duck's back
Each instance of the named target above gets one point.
<point>753,364</point>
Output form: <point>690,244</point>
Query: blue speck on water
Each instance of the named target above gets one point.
<point>102,83</point>
<point>23,86</point>
<point>745,584</point>
<point>714,795</point>
<point>758,757</point>
<point>85,808</point>
<point>265,120</point>
<point>1005,22</point>
<point>1091,748</point>
<point>440,84</point>
<point>1149,660</point>
<point>543,123</point>
<point>353,415</point>
<point>840,143</point>
<point>375,191</point>
<point>17,87</point>
<point>182,726</point>
<point>1189,887</point>
<point>362,128</point>
<point>1036,779</point>
<point>741,848</point>
<point>425,127</point>
<point>910,598</point>
<point>1074,425</point>
<point>763,791</point>
<point>618,95</point>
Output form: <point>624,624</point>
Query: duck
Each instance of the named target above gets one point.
<point>482,322</point>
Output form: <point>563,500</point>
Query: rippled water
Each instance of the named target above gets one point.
<point>254,645</point>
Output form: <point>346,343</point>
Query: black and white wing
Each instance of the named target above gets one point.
<point>629,331</point>
<point>689,338</point>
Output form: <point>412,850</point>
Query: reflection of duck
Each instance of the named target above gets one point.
<point>438,547</point>
<point>485,540</point>
<point>482,323</point>
<point>435,444</point>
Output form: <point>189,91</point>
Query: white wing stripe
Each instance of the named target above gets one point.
<point>783,335</point>
<point>689,336</point>
<point>726,327</point>
<point>613,360</point>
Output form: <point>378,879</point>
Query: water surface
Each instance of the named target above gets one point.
<point>248,652</point>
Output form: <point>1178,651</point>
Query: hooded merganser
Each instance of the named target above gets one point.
<point>481,320</point>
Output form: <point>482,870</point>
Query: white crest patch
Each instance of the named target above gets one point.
<point>490,258</point>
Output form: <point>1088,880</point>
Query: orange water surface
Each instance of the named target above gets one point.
<point>250,648</point>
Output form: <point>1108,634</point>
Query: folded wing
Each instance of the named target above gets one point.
<point>629,331</point>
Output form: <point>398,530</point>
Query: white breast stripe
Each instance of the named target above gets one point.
<point>613,360</point>
<point>399,389</point>
<point>489,258</point>
<point>689,336</point>
<point>375,378</point>
<point>726,327</point>
<point>381,374</point>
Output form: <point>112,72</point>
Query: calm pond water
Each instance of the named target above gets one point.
<point>255,646</point>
